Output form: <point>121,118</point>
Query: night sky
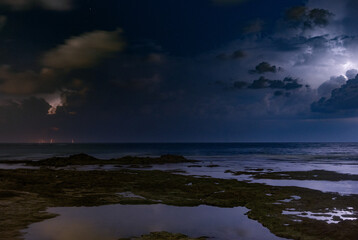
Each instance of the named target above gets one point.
<point>178,70</point>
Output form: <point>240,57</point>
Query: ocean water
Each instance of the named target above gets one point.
<point>270,151</point>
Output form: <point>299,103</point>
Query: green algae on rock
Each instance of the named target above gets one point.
<point>163,236</point>
<point>18,210</point>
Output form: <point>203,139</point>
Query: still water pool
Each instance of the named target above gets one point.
<point>115,221</point>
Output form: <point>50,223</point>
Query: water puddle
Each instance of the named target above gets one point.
<point>111,222</point>
<point>290,199</point>
<point>341,187</point>
<point>334,216</point>
<point>15,166</point>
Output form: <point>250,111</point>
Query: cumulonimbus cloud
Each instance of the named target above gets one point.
<point>85,50</point>
<point>54,78</point>
<point>343,98</point>
<point>56,5</point>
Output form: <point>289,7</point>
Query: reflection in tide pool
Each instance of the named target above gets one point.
<point>114,221</point>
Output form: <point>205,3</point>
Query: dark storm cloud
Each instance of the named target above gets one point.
<point>315,44</point>
<point>262,82</point>
<point>319,17</point>
<point>352,73</point>
<point>301,16</point>
<point>264,67</point>
<point>57,5</point>
<point>343,98</point>
<point>287,84</point>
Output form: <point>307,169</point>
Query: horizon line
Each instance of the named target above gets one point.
<point>179,142</point>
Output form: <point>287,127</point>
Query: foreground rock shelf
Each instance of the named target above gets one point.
<point>25,194</point>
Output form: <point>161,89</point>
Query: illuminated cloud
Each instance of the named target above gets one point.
<point>344,98</point>
<point>55,100</point>
<point>84,51</point>
<point>53,84</point>
<point>352,73</point>
<point>48,84</point>
<point>334,82</point>
<point>57,5</point>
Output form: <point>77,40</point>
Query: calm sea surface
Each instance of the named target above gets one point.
<point>272,151</point>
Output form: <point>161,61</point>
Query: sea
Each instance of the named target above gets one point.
<point>301,151</point>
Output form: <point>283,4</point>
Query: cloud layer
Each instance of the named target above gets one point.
<point>84,51</point>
